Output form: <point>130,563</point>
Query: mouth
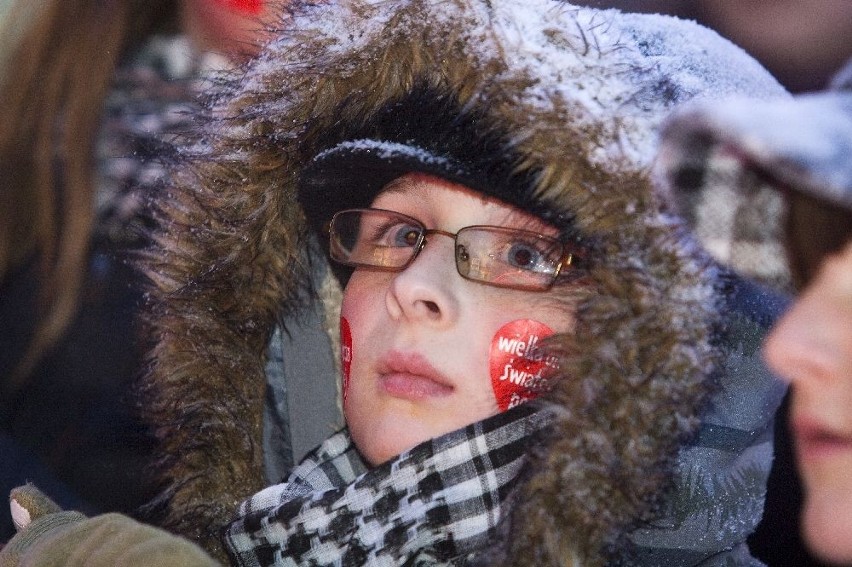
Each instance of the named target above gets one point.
<point>411,376</point>
<point>815,441</point>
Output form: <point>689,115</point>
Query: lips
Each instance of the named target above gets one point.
<point>815,441</point>
<point>411,376</point>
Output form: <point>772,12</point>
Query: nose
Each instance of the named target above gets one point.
<point>426,290</point>
<point>812,344</point>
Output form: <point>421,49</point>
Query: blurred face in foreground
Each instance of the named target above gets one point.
<point>234,28</point>
<point>811,347</point>
<point>428,350</point>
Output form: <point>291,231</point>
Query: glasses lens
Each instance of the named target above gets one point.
<point>508,257</point>
<point>374,237</point>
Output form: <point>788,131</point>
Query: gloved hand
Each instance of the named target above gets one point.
<point>48,536</point>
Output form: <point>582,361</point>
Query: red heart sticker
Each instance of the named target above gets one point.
<point>519,370</point>
<point>345,354</point>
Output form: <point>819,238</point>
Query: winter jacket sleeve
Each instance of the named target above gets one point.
<point>50,537</point>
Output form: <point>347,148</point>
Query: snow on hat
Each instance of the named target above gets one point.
<point>723,162</point>
<point>539,94</point>
<point>365,166</point>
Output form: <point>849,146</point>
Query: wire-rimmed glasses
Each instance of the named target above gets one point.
<point>493,255</point>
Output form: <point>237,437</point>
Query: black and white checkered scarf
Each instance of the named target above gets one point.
<point>438,503</point>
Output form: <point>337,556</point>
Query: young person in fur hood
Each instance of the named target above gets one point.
<point>498,153</point>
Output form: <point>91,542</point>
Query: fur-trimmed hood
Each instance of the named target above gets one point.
<point>558,108</point>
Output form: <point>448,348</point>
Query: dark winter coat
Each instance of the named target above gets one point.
<point>661,450</point>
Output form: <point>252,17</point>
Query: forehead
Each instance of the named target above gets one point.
<point>423,184</point>
<point>420,193</point>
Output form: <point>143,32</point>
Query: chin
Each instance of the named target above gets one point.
<point>827,525</point>
<point>378,445</point>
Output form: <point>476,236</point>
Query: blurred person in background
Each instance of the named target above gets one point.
<point>778,178</point>
<point>89,89</point>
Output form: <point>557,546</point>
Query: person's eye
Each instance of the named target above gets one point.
<point>396,234</point>
<point>526,256</point>
<point>406,235</point>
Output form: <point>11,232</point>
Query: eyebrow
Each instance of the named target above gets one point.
<point>527,221</point>
<point>514,218</point>
<point>399,185</point>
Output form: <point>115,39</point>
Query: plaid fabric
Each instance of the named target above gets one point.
<point>438,503</point>
<point>736,214</point>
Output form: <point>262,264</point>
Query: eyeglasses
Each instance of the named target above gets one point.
<point>493,255</point>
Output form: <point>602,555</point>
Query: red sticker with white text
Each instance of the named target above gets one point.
<point>519,369</point>
<point>345,354</point>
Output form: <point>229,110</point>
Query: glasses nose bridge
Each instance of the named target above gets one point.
<point>427,232</point>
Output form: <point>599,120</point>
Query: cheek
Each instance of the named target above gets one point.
<point>518,369</point>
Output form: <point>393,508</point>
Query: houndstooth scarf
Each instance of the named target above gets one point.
<point>438,503</point>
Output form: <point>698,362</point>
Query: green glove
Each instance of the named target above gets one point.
<point>48,537</point>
